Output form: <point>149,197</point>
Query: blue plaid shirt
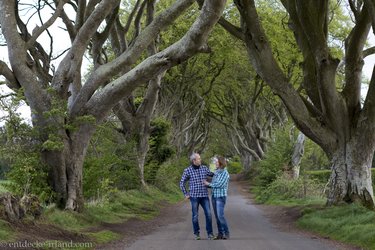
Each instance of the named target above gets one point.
<point>195,178</point>
<point>220,183</point>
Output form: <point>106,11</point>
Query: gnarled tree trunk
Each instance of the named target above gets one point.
<point>66,168</point>
<point>350,179</point>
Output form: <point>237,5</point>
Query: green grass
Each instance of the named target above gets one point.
<point>120,207</point>
<point>352,224</point>
<point>2,187</point>
<point>309,201</point>
<point>104,236</point>
<point>6,233</point>
<point>67,220</point>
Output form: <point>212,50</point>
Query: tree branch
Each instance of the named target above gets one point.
<point>354,61</point>
<point>232,29</point>
<point>100,38</point>
<point>72,61</point>
<point>37,31</point>
<point>131,55</point>
<point>80,18</point>
<point>137,20</point>
<point>69,26</point>
<point>260,53</point>
<point>190,44</point>
<point>370,5</point>
<point>353,9</point>
<point>18,57</point>
<point>366,121</point>
<point>244,146</point>
<point>368,52</point>
<point>11,82</point>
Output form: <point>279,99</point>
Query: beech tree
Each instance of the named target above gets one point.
<point>65,108</point>
<point>183,100</point>
<point>324,109</point>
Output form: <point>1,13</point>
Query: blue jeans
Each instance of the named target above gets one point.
<point>205,204</point>
<point>218,204</point>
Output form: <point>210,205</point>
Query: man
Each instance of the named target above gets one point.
<point>197,194</point>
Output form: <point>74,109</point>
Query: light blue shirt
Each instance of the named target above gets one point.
<point>220,183</point>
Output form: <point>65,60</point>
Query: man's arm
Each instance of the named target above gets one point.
<point>209,173</point>
<point>184,179</point>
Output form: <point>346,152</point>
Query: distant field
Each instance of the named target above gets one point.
<point>2,188</point>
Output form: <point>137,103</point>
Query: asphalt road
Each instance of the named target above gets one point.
<point>250,230</point>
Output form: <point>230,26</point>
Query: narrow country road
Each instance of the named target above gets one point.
<point>250,230</point>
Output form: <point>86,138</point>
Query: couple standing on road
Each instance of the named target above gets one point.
<point>196,174</point>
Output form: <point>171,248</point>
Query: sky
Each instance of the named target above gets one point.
<point>369,65</point>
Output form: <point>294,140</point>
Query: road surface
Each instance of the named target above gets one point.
<point>249,229</point>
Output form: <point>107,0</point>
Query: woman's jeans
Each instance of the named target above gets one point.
<point>218,204</point>
<point>205,203</point>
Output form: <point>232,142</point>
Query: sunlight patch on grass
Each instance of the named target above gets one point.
<point>104,236</point>
<point>3,189</point>
<point>68,220</point>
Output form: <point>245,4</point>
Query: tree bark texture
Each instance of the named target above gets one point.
<point>350,179</point>
<point>66,168</point>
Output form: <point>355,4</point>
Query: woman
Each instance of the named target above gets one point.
<point>219,187</point>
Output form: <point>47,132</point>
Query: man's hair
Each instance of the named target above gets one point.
<point>193,156</point>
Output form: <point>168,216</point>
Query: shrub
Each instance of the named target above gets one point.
<point>314,158</point>
<point>234,167</point>
<point>110,164</point>
<point>29,176</point>
<point>321,176</point>
<point>169,174</point>
<point>277,157</point>
<point>283,187</point>
<point>21,154</point>
<point>160,149</point>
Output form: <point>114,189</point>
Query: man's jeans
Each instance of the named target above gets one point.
<point>218,204</point>
<point>205,203</point>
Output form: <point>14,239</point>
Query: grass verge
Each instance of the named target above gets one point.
<point>2,187</point>
<point>120,207</point>
<point>6,233</point>
<point>308,201</point>
<point>105,236</point>
<point>352,224</point>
